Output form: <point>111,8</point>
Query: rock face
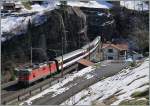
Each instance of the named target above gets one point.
<point>65,27</point>
<point>100,23</point>
<point>68,28</point>
<point>133,26</point>
<point>119,25</point>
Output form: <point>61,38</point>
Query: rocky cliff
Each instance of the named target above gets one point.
<point>68,28</point>
<point>100,22</point>
<point>65,27</point>
<point>119,24</point>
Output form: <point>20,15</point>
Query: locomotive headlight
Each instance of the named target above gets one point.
<point>29,70</point>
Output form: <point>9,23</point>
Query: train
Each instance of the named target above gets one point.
<point>34,72</point>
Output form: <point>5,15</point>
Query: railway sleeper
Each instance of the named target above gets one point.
<point>10,102</point>
<point>45,86</point>
<point>23,97</point>
<point>35,91</point>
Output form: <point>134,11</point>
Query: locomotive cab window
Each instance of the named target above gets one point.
<point>23,73</point>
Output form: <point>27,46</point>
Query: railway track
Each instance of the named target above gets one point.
<point>16,93</point>
<point>3,86</point>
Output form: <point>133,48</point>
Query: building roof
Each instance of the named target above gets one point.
<point>8,4</point>
<point>85,62</point>
<point>117,46</point>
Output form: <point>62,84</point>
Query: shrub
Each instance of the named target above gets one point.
<point>13,77</point>
<point>132,64</point>
<point>140,94</point>
<point>134,102</point>
<point>27,5</point>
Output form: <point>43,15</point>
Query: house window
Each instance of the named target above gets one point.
<point>122,52</point>
<point>110,58</point>
<point>110,50</point>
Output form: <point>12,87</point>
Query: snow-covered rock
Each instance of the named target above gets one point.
<point>138,5</point>
<point>17,25</point>
<point>90,4</point>
<point>48,5</point>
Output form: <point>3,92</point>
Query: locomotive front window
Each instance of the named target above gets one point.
<point>23,73</point>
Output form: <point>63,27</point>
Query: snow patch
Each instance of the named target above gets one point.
<point>90,4</point>
<point>116,85</point>
<point>89,76</point>
<point>58,88</point>
<point>17,25</point>
<point>108,23</point>
<point>135,5</point>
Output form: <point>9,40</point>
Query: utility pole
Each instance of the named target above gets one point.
<point>63,4</point>
<point>30,39</point>
<point>100,44</point>
<point>99,49</point>
<point>89,49</point>
<point>62,55</point>
<point>79,41</point>
<point>62,39</point>
<point>134,5</point>
<point>31,55</point>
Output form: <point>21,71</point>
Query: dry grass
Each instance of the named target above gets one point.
<point>140,94</point>
<point>97,103</point>
<point>134,102</point>
<point>110,100</point>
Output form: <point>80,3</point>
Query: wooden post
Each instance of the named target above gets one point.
<point>30,92</point>
<point>18,98</point>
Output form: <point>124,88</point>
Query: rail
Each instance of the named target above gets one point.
<point>25,93</point>
<point>8,84</point>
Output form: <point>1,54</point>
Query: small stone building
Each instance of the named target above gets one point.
<point>136,56</point>
<point>11,6</point>
<point>114,51</point>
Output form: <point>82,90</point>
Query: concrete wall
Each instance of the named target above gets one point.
<point>114,54</point>
<point>137,56</point>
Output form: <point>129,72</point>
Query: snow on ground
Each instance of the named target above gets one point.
<point>46,6</point>
<point>108,23</point>
<point>90,4</point>
<point>58,88</point>
<point>135,5</point>
<point>125,83</point>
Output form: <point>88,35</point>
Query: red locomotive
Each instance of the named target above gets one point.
<point>30,74</point>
